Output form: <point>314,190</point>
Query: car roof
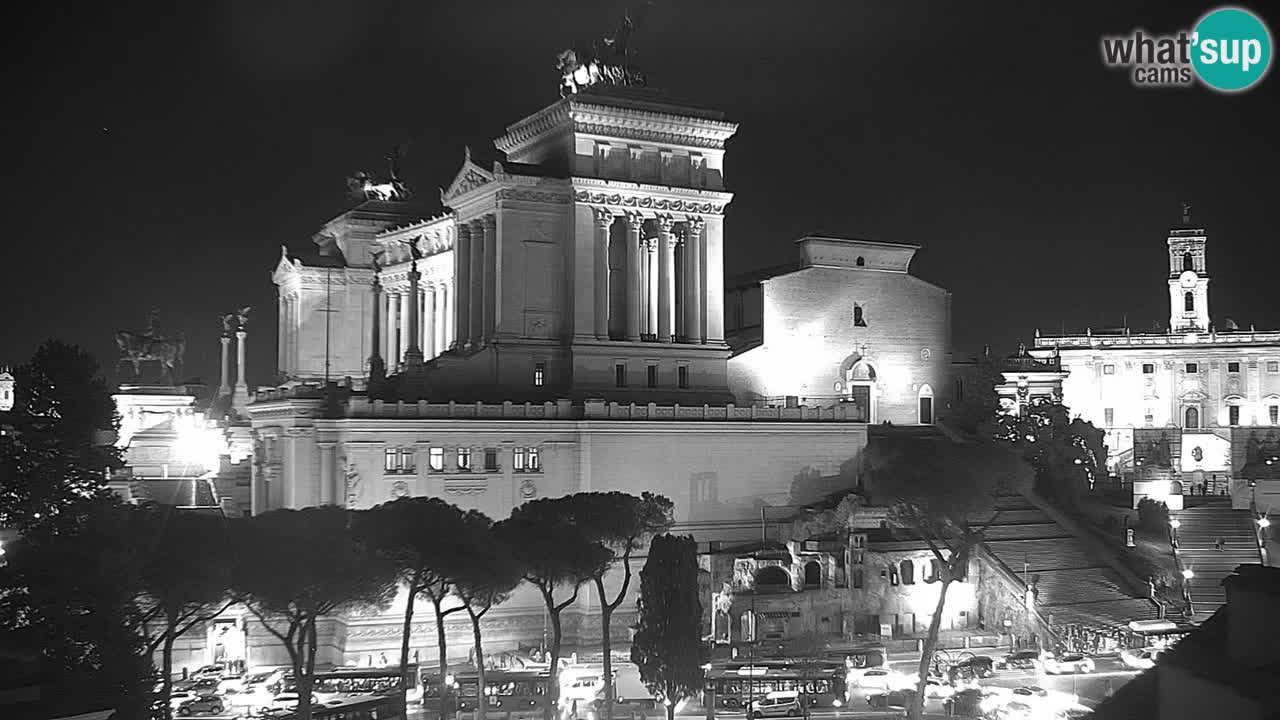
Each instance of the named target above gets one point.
<point>783,694</point>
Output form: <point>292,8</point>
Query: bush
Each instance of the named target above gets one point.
<point>1153,516</point>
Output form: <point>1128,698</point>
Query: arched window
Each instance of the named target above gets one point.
<point>935,573</point>
<point>858,578</point>
<point>860,262</point>
<point>772,576</point>
<point>812,574</point>
<point>924,402</point>
<point>859,320</point>
<point>907,570</point>
<point>1193,418</point>
<point>1188,262</point>
<point>1189,302</point>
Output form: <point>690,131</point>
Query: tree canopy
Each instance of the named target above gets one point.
<point>1068,455</point>
<point>668,646</point>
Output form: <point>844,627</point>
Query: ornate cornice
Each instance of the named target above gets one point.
<point>651,126</point>
<point>648,202</point>
<point>527,195</point>
<point>532,128</point>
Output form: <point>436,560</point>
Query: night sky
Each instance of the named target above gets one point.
<point>165,151</point>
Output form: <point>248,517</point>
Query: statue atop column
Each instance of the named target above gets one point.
<point>606,61</point>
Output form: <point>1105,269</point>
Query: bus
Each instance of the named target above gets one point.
<point>512,695</point>
<point>863,657</point>
<point>1161,634</point>
<point>359,707</point>
<point>348,681</point>
<point>822,683</point>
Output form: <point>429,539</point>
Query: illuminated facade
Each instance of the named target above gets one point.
<point>560,327</point>
<point>1197,406</point>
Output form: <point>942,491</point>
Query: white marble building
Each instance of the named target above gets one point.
<point>1196,405</point>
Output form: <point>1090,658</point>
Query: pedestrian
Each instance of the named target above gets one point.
<point>1221,544</point>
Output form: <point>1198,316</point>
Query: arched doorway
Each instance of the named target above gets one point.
<point>772,577</point>
<point>924,402</point>
<point>812,574</point>
<point>1192,417</point>
<point>860,390</point>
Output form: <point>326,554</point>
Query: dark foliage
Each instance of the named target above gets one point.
<point>668,646</point>
<point>1153,516</point>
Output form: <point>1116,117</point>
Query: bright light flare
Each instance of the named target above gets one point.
<point>1264,522</point>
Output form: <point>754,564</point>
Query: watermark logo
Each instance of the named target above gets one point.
<point>1229,50</point>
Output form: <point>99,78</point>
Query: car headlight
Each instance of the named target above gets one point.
<point>836,703</point>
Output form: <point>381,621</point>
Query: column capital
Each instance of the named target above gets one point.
<point>665,223</point>
<point>463,229</point>
<point>696,223</point>
<point>604,217</point>
<point>634,221</point>
<point>489,221</point>
<point>241,334</point>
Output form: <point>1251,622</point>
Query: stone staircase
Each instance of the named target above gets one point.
<point>1209,519</point>
<point>1075,586</point>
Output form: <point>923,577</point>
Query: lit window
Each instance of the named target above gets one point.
<point>490,459</point>
<point>1233,367</point>
<point>436,459</point>
<point>1233,414</point>
<point>1273,366</point>
<point>535,462</point>
<point>525,460</point>
<point>859,319</point>
<point>1108,369</point>
<point>1274,412</point>
<point>651,376</point>
<point>620,374</point>
<point>1192,368</point>
<point>398,461</point>
<point>408,462</point>
<point>389,460</point>
<point>1148,368</point>
<point>1149,418</point>
<point>464,458</point>
<point>682,377</point>
<point>539,374</point>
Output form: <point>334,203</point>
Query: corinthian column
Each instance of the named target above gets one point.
<point>666,279</point>
<point>488,328</point>
<point>634,276</point>
<point>393,327</point>
<point>413,352</point>
<point>430,348</point>
<point>651,287</point>
<point>377,370</point>
<point>224,387</point>
<point>604,220</point>
<point>241,396</point>
<point>476,298</point>
<point>462,281</point>
<point>693,273</point>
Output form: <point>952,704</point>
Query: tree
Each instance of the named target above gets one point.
<point>489,575</point>
<point>946,493</point>
<point>555,553</point>
<point>668,646</point>
<point>185,576</point>
<point>297,566</point>
<point>619,523</point>
<point>975,412</point>
<point>425,541</point>
<point>57,443</point>
<point>1067,455</point>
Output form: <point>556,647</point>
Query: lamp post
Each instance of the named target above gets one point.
<point>1174,524</point>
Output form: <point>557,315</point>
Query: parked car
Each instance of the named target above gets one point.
<point>882,679</point>
<point>1068,663</point>
<point>216,671</point>
<point>891,699</point>
<point>1020,660</point>
<point>177,697</point>
<point>1140,658</point>
<point>1031,691</point>
<point>935,686</point>
<point>289,701</point>
<point>202,705</point>
<point>779,703</point>
<point>204,685</point>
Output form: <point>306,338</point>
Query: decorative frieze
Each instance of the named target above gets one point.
<point>646,202</point>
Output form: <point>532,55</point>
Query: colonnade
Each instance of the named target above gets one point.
<point>475,269</point>
<point>433,321</point>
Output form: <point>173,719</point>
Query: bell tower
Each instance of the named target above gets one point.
<point>1188,277</point>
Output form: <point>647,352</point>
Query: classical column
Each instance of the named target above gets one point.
<point>393,326</point>
<point>430,348</point>
<point>713,278</point>
<point>281,334</point>
<point>402,324</point>
<point>413,321</point>
<point>446,316</point>
<point>240,398</point>
<point>328,479</point>
<point>489,328</point>
<point>224,387</point>
<point>693,327</point>
<point>377,369</point>
<point>651,282</point>
<point>604,220</point>
<point>462,281</point>
<point>666,279</point>
<point>476,298</point>
<point>634,276</point>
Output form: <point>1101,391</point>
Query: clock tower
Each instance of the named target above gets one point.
<point>1188,278</point>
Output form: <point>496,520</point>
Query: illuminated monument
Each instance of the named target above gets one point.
<point>1195,406</point>
<point>559,326</point>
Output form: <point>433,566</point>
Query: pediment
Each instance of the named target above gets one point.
<point>470,176</point>
<point>284,266</point>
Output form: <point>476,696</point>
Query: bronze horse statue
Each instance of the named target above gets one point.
<point>137,348</point>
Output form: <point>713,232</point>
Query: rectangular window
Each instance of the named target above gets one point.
<point>408,463</point>
<point>1149,418</point>
<point>436,459</point>
<point>1233,367</point>
<point>1108,369</point>
<point>1110,417</point>
<point>539,374</point>
<point>1274,413</point>
<point>1273,366</point>
<point>620,375</point>
<point>490,459</point>
<point>535,462</point>
<point>464,458</point>
<point>1192,368</point>
<point>517,460</point>
<point>651,376</point>
<point>1148,368</point>
<point>389,460</point>
<point>1233,414</point>
<point>682,377</point>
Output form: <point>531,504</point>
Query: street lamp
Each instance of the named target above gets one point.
<point>1187,574</point>
<point>1263,523</point>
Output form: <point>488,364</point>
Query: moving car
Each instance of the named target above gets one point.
<point>1021,660</point>
<point>779,703</point>
<point>215,671</point>
<point>1068,663</point>
<point>289,701</point>
<point>204,685</point>
<point>177,697</point>
<point>881,679</point>
<point>1031,691</point>
<point>891,699</point>
<point>1140,659</point>
<point>201,705</point>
